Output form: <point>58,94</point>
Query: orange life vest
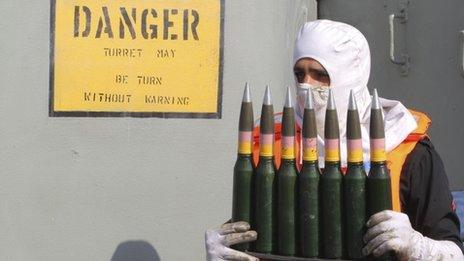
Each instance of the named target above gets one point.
<point>395,158</point>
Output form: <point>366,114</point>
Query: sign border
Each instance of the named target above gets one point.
<point>98,114</point>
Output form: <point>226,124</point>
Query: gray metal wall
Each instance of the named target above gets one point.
<point>121,188</point>
<point>435,82</point>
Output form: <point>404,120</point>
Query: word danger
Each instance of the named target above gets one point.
<point>147,23</point>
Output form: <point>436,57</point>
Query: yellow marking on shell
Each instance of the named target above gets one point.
<point>332,155</point>
<point>288,152</point>
<point>266,150</point>
<point>355,156</point>
<point>244,147</point>
<point>378,155</point>
<point>310,154</point>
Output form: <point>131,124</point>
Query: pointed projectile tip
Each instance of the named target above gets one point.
<point>288,99</point>
<point>246,93</point>
<point>331,104</point>
<point>309,101</point>
<point>267,96</point>
<point>352,104</point>
<point>375,101</point>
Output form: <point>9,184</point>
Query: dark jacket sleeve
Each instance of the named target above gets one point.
<point>426,197</point>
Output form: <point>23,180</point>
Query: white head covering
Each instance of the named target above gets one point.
<point>344,52</point>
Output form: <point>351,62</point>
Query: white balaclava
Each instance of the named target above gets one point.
<point>344,52</point>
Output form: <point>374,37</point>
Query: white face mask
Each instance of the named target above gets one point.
<point>320,95</point>
<point>320,98</point>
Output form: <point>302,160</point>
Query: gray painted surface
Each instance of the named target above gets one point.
<point>434,84</point>
<point>114,188</point>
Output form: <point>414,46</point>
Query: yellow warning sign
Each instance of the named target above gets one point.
<point>140,58</point>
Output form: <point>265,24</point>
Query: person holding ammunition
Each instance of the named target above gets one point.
<point>422,224</point>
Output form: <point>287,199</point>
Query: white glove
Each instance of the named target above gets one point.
<point>218,241</point>
<point>391,231</point>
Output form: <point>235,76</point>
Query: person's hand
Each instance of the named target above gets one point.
<point>387,231</point>
<point>391,231</point>
<point>218,241</point>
